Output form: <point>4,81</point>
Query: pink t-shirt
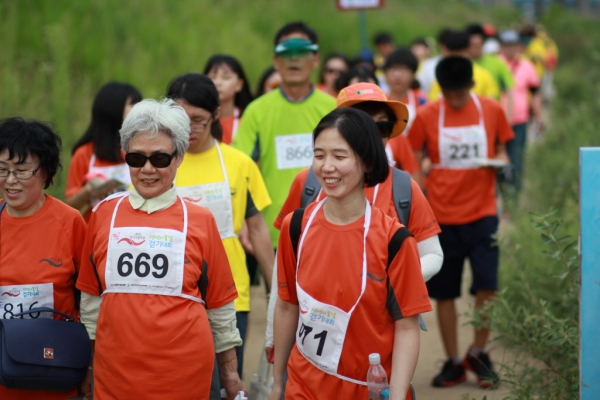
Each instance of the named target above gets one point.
<point>525,78</point>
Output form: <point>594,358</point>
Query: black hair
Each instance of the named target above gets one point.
<point>375,107</point>
<point>383,38</point>
<point>475,29</point>
<point>199,91</point>
<point>456,40</point>
<point>360,132</point>
<point>329,57</point>
<point>420,40</point>
<point>442,34</point>
<point>402,56</point>
<point>361,72</point>
<point>260,87</point>
<point>454,73</point>
<point>244,96</point>
<point>296,27</point>
<point>107,118</point>
<point>32,138</point>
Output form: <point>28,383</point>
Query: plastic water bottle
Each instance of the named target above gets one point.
<point>377,381</point>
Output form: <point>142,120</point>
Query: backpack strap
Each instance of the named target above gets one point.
<point>395,244</point>
<point>311,189</point>
<point>2,206</point>
<point>402,193</point>
<point>296,229</point>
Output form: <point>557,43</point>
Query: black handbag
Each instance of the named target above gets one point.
<point>42,353</point>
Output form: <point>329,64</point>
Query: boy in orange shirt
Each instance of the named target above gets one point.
<point>464,135</point>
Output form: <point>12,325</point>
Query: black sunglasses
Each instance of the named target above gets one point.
<point>385,128</point>
<point>158,160</point>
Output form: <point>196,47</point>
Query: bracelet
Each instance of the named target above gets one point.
<point>228,361</point>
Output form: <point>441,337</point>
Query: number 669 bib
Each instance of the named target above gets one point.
<point>146,260</point>
<point>322,327</point>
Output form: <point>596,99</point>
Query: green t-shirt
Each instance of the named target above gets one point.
<point>277,133</point>
<point>499,70</point>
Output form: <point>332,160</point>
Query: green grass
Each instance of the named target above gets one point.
<point>56,54</point>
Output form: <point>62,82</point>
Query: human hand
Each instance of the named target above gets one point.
<point>245,239</point>
<point>86,385</point>
<point>101,191</point>
<point>270,353</point>
<point>231,383</point>
<point>275,392</point>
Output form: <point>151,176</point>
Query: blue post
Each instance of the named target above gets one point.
<point>362,22</point>
<point>589,357</point>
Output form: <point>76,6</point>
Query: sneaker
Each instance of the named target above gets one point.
<point>451,375</point>
<point>483,368</point>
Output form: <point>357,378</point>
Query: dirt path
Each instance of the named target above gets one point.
<point>430,360</point>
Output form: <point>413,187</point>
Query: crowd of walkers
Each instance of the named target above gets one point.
<point>358,198</point>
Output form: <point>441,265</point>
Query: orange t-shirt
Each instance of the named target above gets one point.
<point>330,271</point>
<point>153,346</point>
<point>227,125</point>
<point>78,169</point>
<point>403,154</point>
<point>422,223</point>
<point>42,248</point>
<point>460,196</point>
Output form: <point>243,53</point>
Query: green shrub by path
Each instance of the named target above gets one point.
<point>56,54</point>
<point>536,314</point>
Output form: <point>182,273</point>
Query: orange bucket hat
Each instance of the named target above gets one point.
<point>360,92</point>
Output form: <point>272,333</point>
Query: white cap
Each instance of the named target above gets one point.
<point>374,359</point>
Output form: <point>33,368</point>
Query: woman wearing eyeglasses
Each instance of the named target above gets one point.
<point>160,267</point>
<point>41,238</point>
<point>334,65</point>
<point>228,183</point>
<point>390,117</point>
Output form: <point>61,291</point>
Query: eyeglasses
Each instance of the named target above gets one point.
<point>202,124</point>
<point>158,160</point>
<point>19,174</point>
<point>385,128</point>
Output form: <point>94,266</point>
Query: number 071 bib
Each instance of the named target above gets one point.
<point>322,327</point>
<point>146,260</point>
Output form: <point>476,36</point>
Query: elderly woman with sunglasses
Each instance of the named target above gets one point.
<point>162,272</point>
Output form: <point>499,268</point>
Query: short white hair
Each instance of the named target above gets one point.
<point>157,116</point>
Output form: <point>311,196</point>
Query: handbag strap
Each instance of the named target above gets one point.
<point>43,309</point>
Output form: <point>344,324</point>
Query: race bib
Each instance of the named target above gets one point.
<point>19,298</point>
<point>142,261</point>
<point>461,148</point>
<point>294,151</point>
<point>321,333</point>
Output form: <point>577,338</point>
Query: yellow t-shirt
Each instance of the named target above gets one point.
<point>485,85</point>
<point>244,177</point>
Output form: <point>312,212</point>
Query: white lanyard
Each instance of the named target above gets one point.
<point>216,197</point>
<point>236,122</point>
<point>322,327</point>
<point>412,110</point>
